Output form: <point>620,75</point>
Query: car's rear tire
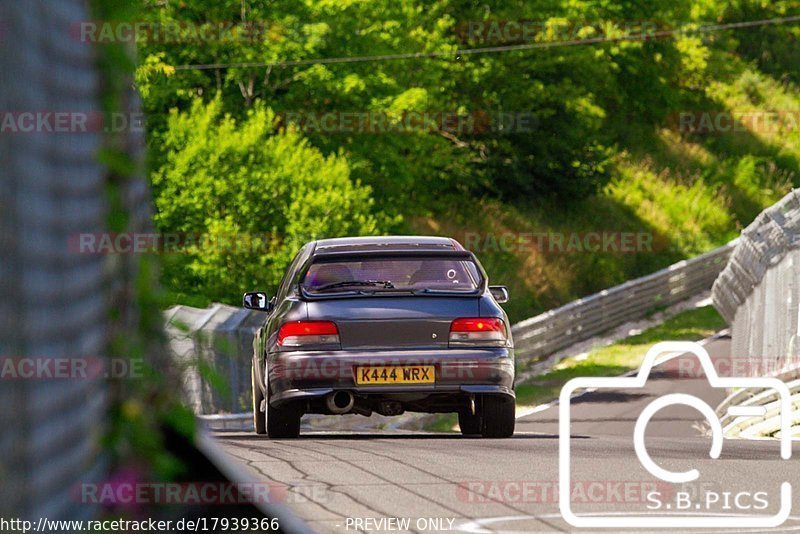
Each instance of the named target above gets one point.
<point>469,423</point>
<point>283,422</point>
<point>259,421</point>
<point>498,417</point>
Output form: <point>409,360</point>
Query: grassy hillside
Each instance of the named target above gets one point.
<point>688,193</point>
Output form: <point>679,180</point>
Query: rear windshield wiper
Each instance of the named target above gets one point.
<point>385,284</point>
<point>430,291</point>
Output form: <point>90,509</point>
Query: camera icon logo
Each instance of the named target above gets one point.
<point>674,348</point>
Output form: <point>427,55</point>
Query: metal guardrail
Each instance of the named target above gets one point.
<point>769,424</point>
<point>759,291</point>
<point>763,244</point>
<point>219,340</point>
<point>584,318</point>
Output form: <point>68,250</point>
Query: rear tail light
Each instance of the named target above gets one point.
<point>478,331</point>
<point>302,333</point>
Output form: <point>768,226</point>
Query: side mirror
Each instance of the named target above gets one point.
<point>500,293</point>
<point>256,300</point>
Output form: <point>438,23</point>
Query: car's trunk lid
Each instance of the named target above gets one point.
<point>394,322</point>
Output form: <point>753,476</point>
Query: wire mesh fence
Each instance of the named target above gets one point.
<point>54,303</point>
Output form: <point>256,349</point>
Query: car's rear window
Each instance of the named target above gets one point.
<point>392,274</point>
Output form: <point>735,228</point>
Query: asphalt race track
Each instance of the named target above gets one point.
<point>435,482</point>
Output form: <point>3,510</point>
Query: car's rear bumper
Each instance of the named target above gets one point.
<point>303,375</point>
<point>315,393</point>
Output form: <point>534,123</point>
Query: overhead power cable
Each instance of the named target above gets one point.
<point>493,49</point>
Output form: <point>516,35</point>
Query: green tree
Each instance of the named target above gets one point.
<point>244,198</point>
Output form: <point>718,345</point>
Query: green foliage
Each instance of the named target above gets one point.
<point>601,152</point>
<point>774,48</point>
<point>565,153</point>
<point>243,198</point>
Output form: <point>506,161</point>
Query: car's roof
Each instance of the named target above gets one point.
<point>387,244</point>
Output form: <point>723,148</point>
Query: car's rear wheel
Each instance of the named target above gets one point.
<point>284,421</point>
<point>469,423</point>
<point>259,422</point>
<point>498,417</point>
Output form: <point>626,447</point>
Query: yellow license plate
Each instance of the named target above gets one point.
<point>398,374</point>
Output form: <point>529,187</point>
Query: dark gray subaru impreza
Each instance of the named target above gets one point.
<point>387,325</point>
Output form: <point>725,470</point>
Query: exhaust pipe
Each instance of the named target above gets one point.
<point>340,402</point>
